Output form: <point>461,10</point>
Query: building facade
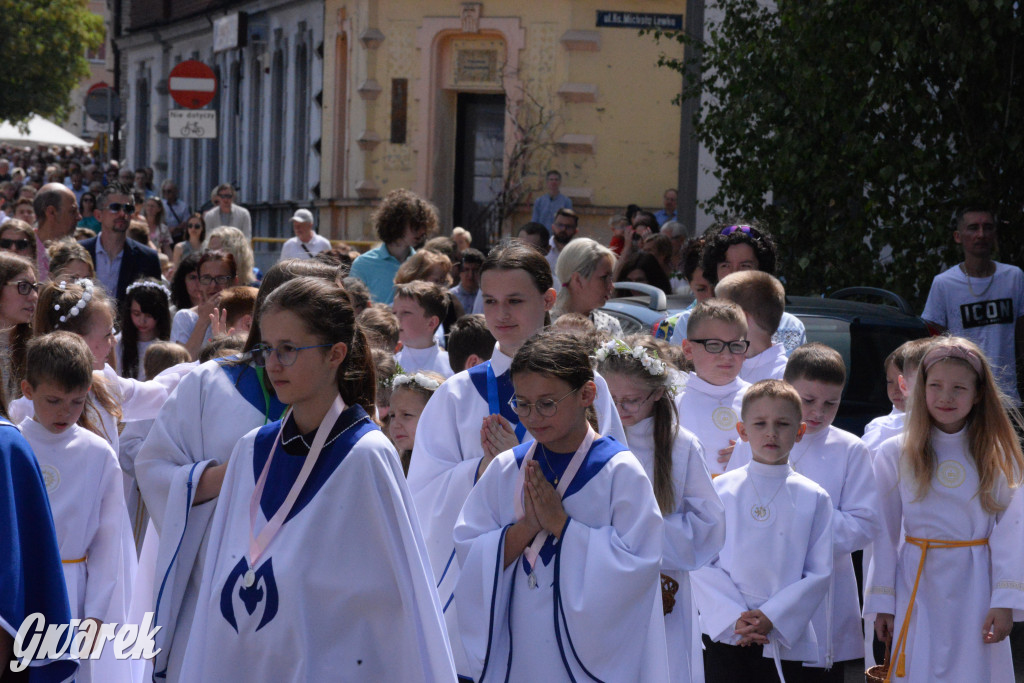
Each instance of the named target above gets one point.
<point>330,105</point>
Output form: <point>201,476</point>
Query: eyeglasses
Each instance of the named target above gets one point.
<point>737,346</point>
<point>226,196</point>
<point>25,287</point>
<point>546,407</point>
<point>219,279</point>
<point>114,207</point>
<point>631,405</point>
<point>286,353</point>
<point>19,245</point>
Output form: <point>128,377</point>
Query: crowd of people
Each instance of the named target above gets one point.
<point>431,461</point>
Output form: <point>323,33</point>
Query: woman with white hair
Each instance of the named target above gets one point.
<point>585,269</point>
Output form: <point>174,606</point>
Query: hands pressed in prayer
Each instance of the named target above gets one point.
<point>753,627</point>
<point>497,435</point>
<point>545,500</point>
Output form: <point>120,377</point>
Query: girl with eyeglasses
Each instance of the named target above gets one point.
<point>324,471</point>
<point>18,298</point>
<point>641,384</point>
<point>192,327</point>
<point>560,542</point>
<point>468,421</point>
<point>195,234</point>
<point>182,463</point>
<point>18,237</point>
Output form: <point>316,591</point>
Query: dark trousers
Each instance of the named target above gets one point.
<point>733,664</point>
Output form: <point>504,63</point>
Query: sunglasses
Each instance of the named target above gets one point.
<point>745,229</point>
<point>25,287</point>
<point>194,226</point>
<point>114,207</point>
<point>226,196</point>
<point>18,245</point>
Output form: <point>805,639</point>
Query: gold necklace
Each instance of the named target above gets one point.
<point>762,512</point>
<point>544,454</point>
<point>991,279</point>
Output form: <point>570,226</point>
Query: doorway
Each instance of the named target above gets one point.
<point>479,145</point>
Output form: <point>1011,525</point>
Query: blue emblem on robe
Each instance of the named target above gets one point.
<point>263,590</point>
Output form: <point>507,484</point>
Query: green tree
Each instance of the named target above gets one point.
<point>856,128</point>
<point>44,45</point>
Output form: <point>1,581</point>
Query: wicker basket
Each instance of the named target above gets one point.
<point>878,672</point>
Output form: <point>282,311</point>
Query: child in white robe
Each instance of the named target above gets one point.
<point>891,424</point>
<point>182,462</point>
<point>276,602</point>
<point>468,420</point>
<point>84,485</point>
<point>709,404</point>
<point>674,462</point>
<point>948,486</point>
<point>763,300</point>
<point>561,584</point>
<point>421,307</point>
<point>840,463</point>
<point>757,598</point>
<point>409,396</point>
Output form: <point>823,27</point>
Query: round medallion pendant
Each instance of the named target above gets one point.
<point>51,478</point>
<point>950,474</point>
<point>724,418</point>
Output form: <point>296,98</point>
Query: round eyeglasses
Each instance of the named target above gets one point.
<point>286,353</point>
<point>546,407</point>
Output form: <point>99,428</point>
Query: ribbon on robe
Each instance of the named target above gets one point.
<point>532,552</point>
<point>494,403</point>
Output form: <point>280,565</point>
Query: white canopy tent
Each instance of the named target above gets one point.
<point>40,132</point>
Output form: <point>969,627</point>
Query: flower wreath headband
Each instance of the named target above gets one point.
<point>87,287</point>
<point>150,285</point>
<point>654,366</point>
<point>419,379</point>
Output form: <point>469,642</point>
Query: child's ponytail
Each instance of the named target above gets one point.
<point>357,374</point>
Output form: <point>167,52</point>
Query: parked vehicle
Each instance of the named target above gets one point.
<point>863,333</point>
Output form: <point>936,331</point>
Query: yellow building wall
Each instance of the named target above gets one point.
<point>612,105</point>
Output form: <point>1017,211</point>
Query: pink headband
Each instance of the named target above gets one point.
<point>944,351</point>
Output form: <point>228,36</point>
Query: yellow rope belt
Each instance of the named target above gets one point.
<point>924,544</point>
<point>81,559</point>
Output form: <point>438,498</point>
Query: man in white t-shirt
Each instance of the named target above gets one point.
<point>306,243</point>
<point>981,299</point>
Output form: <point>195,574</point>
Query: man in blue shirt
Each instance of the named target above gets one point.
<point>547,205</point>
<point>668,213</point>
<point>402,222</point>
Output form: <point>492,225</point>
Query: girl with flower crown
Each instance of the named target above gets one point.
<point>145,318</point>
<point>409,396</point>
<point>641,385</point>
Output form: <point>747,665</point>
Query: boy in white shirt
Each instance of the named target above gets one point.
<point>86,491</point>
<point>420,307</point>
<point>763,300</point>
<point>757,598</point>
<point>907,358</point>
<point>709,404</point>
<point>840,463</point>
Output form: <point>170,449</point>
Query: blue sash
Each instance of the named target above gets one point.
<point>247,382</point>
<point>284,469</point>
<point>497,391</point>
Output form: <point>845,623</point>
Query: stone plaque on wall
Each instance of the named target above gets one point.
<point>477,63</point>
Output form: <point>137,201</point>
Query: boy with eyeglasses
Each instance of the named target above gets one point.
<point>709,404</point>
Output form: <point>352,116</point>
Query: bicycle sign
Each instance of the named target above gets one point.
<point>192,124</point>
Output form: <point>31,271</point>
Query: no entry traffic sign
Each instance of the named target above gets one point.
<point>192,84</point>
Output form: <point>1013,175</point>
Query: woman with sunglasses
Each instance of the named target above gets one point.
<point>195,233</point>
<point>87,205</point>
<point>19,238</point>
<point>18,295</point>
<point>191,326</point>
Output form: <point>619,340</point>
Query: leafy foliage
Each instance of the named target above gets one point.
<point>44,55</point>
<point>856,128</point>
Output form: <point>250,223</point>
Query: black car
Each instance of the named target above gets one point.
<point>863,333</point>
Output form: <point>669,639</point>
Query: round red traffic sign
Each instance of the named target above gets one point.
<point>192,84</point>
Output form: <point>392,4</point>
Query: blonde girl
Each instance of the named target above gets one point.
<point>944,592</point>
<point>641,385</point>
<point>409,395</point>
